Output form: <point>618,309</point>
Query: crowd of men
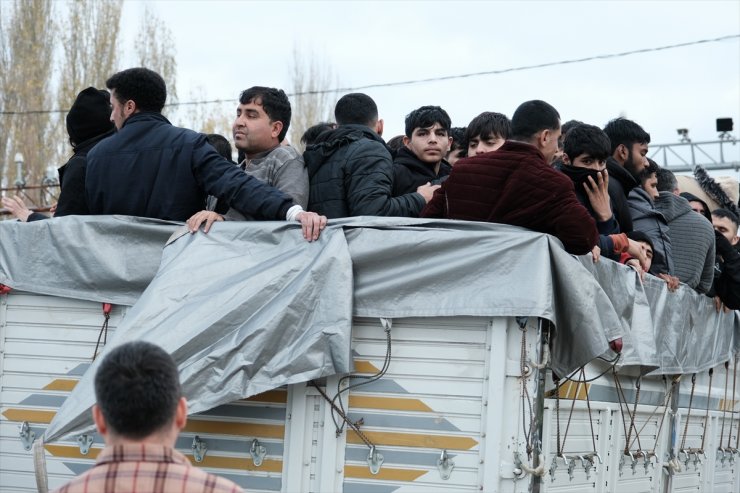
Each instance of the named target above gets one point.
<point>592,188</point>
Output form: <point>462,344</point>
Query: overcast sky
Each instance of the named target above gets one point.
<point>224,47</point>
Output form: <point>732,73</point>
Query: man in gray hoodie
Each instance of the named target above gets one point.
<point>692,236</point>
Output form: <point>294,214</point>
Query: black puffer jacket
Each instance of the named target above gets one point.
<point>410,172</point>
<point>351,174</point>
<point>621,182</point>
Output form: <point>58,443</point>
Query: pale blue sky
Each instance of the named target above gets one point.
<point>226,46</point>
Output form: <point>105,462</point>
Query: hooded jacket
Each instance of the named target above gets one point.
<point>621,182</point>
<point>350,173</point>
<point>410,172</point>
<point>692,241</point>
<point>151,168</point>
<point>726,273</point>
<point>515,185</point>
<point>647,219</point>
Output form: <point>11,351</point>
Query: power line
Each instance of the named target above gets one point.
<point>441,78</point>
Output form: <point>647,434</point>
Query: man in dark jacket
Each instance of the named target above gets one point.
<point>151,168</point>
<point>629,150</point>
<point>726,284</point>
<point>350,170</point>
<point>421,160</point>
<point>88,122</point>
<point>516,184</point>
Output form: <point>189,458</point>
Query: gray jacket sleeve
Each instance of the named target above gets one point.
<point>707,273</point>
<point>291,177</point>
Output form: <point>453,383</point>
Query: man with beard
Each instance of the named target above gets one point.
<point>421,159</point>
<point>629,147</point>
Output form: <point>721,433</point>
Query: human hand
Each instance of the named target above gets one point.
<point>598,194</point>
<point>596,252</point>
<point>53,208</point>
<point>637,250</point>
<point>672,282</point>
<point>427,191</point>
<point>635,264</point>
<point>312,224</point>
<point>208,217</point>
<point>719,306</point>
<point>17,207</point>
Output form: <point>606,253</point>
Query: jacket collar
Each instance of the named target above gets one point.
<point>145,116</point>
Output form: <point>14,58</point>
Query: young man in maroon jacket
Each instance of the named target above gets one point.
<point>516,184</point>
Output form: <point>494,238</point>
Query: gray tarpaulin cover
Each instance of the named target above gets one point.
<point>252,306</point>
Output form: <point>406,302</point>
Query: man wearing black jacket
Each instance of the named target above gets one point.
<point>350,170</point>
<point>726,285</point>
<point>421,160</point>
<point>629,147</point>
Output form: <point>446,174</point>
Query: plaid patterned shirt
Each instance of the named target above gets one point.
<point>146,468</point>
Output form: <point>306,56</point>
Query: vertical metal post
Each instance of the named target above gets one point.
<point>676,386</point>
<point>543,337</point>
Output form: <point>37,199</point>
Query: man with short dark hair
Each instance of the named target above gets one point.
<point>486,132</point>
<point>629,147</point>
<point>350,168</point>
<point>421,159</point>
<point>692,236</point>
<point>140,412</point>
<point>262,121</point>
<point>151,168</point>
<point>516,184</point>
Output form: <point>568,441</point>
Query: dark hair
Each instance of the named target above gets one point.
<point>357,108</point>
<point>137,388</point>
<point>565,128</point>
<point>458,139</point>
<point>310,135</point>
<point>727,213</point>
<point>222,145</point>
<point>666,180</point>
<point>586,139</point>
<point>693,198</point>
<point>425,117</point>
<point>275,103</point>
<point>395,143</point>
<point>488,124</point>
<point>637,235</point>
<point>144,87</point>
<point>622,131</point>
<point>652,168</point>
<point>532,117</point>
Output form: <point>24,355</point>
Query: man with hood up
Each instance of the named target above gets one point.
<point>350,169</point>
<point>88,122</point>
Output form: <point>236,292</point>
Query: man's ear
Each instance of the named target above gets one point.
<point>565,158</point>
<point>277,127</point>
<point>735,240</point>
<point>181,414</point>
<point>406,141</point>
<point>622,153</point>
<point>99,420</point>
<point>543,138</point>
<point>379,127</point>
<point>129,108</point>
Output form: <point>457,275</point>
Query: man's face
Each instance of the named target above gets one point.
<point>586,161</point>
<point>726,228</point>
<point>253,131</point>
<point>480,145</point>
<point>429,144</point>
<point>453,156</point>
<point>697,207</point>
<point>648,254</point>
<point>117,115</point>
<point>549,144</point>
<point>650,185</point>
<point>637,159</point>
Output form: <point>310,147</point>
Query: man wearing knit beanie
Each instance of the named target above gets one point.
<point>88,122</point>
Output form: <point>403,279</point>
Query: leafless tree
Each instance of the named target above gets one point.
<point>155,50</point>
<point>310,74</point>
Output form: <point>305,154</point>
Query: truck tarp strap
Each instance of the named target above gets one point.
<point>39,465</point>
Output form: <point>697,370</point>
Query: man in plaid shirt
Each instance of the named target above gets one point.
<point>139,413</point>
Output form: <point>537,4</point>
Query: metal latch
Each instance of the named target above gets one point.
<point>374,460</point>
<point>27,435</point>
<point>199,449</point>
<point>445,465</point>
<point>258,452</point>
<point>85,441</point>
